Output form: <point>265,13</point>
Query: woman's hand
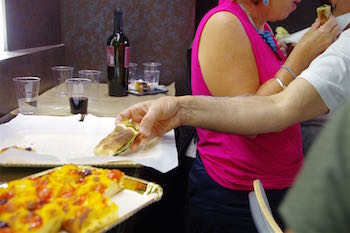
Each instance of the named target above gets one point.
<point>155,117</point>
<point>282,46</point>
<point>316,40</point>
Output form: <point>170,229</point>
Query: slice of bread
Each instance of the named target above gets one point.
<point>323,13</point>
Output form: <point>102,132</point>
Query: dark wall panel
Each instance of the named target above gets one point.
<point>35,64</point>
<point>158,30</point>
<point>32,23</point>
<point>301,18</point>
<point>202,7</point>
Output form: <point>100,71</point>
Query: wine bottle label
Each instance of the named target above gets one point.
<point>126,57</point>
<point>110,56</point>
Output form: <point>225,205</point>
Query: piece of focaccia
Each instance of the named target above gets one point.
<point>323,13</point>
<point>76,199</point>
<point>119,140</point>
<point>90,214</point>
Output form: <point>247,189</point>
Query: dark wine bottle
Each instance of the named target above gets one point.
<point>118,58</point>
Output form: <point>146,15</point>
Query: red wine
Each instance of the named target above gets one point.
<point>78,105</point>
<point>118,58</point>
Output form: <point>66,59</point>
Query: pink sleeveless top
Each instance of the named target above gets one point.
<point>235,161</point>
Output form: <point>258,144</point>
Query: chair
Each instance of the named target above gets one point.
<point>260,209</point>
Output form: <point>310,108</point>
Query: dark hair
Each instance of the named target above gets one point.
<point>253,1</point>
<point>325,2</point>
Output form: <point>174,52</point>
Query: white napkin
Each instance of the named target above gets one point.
<point>61,140</point>
<point>294,38</point>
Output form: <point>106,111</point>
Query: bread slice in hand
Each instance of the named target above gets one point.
<point>323,13</point>
<point>118,141</point>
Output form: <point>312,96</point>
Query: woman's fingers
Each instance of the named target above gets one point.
<point>136,143</point>
<point>335,32</point>
<point>331,23</point>
<point>315,25</point>
<point>135,112</point>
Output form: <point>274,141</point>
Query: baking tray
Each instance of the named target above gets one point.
<point>136,195</point>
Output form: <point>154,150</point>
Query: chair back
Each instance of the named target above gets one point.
<point>260,209</point>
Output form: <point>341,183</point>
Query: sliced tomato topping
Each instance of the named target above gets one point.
<point>33,219</point>
<point>68,192</point>
<point>100,188</point>
<point>115,174</point>
<point>44,194</point>
<point>6,230</point>
<point>80,200</point>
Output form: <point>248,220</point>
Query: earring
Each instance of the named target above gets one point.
<point>266,2</point>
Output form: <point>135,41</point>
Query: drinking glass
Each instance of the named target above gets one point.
<point>78,93</point>
<point>151,74</point>
<point>60,74</point>
<point>94,76</point>
<point>152,78</point>
<point>132,72</point>
<point>27,91</point>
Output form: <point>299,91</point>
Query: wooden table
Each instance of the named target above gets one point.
<point>50,104</point>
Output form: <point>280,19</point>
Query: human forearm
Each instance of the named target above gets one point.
<point>252,114</point>
<point>240,115</point>
<point>247,115</point>
<point>297,61</point>
<point>315,41</point>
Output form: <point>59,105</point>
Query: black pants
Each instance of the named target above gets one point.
<point>213,208</point>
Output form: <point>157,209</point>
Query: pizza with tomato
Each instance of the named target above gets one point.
<point>71,198</point>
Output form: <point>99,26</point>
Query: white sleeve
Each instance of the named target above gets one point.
<point>329,73</point>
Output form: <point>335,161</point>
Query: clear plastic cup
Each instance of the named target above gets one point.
<point>132,72</point>
<point>60,74</point>
<point>27,91</point>
<point>95,77</point>
<point>152,78</point>
<point>78,93</point>
<point>151,72</point>
<point>151,65</point>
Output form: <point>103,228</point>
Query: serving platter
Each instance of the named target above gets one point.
<point>136,195</point>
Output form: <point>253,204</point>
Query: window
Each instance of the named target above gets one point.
<point>3,43</point>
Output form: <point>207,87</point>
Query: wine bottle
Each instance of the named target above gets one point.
<point>118,58</point>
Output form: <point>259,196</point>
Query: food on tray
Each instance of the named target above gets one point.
<point>323,13</point>
<point>141,86</point>
<point>16,147</point>
<point>71,198</point>
<point>281,32</point>
<point>119,141</point>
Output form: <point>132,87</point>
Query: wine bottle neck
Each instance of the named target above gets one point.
<point>118,21</point>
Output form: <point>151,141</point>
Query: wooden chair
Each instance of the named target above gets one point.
<point>261,212</point>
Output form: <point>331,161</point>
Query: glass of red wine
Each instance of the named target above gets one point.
<point>78,93</point>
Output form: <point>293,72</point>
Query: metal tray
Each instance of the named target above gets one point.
<point>136,190</point>
<point>117,164</point>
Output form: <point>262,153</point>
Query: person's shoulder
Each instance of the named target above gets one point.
<point>341,46</point>
<point>345,34</point>
<point>224,18</point>
<point>227,25</point>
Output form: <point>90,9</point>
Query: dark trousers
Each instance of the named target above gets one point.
<point>213,208</point>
